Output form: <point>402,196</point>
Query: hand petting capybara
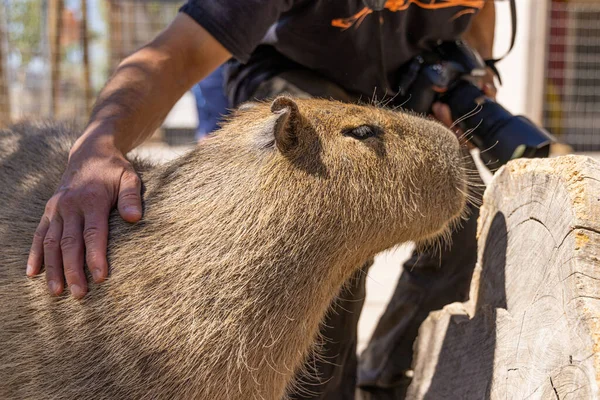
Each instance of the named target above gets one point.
<point>218,292</point>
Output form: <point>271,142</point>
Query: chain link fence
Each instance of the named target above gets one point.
<point>572,95</point>
<point>55,55</point>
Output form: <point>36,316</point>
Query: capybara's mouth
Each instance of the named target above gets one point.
<point>453,209</point>
<point>442,238</point>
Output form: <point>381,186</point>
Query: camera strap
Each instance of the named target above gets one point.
<point>513,17</point>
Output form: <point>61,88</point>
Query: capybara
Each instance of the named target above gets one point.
<point>218,292</point>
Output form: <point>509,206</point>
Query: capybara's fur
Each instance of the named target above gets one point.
<point>219,291</point>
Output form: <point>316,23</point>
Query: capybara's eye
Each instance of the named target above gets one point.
<point>362,132</point>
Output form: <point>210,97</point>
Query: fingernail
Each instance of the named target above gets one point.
<point>132,210</point>
<point>29,270</point>
<point>54,287</point>
<point>97,274</point>
<point>77,291</point>
<point>132,213</point>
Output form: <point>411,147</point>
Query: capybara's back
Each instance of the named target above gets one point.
<point>58,348</point>
<point>36,330</point>
<point>218,292</point>
<point>32,160</point>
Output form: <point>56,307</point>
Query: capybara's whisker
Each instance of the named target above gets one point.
<point>221,290</point>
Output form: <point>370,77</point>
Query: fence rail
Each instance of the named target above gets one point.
<point>55,55</point>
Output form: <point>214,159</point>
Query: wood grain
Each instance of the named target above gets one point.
<point>531,328</point>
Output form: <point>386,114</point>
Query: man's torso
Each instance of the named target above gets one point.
<point>342,40</point>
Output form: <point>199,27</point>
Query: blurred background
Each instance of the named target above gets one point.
<point>55,56</point>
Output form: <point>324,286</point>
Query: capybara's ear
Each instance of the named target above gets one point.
<point>287,123</point>
<point>249,105</point>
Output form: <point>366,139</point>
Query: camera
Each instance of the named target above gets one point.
<point>449,74</point>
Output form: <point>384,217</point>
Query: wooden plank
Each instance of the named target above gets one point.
<point>531,328</point>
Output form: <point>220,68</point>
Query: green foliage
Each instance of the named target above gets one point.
<point>25,21</point>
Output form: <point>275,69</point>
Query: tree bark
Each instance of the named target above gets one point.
<point>531,328</point>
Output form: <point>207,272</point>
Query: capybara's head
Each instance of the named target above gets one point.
<point>368,174</point>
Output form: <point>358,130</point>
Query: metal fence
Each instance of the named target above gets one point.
<point>55,55</point>
<point>572,95</point>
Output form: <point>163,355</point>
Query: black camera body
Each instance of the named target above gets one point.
<point>448,74</point>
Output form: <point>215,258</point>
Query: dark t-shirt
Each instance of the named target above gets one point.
<point>337,38</point>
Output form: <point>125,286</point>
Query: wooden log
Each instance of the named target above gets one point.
<point>531,329</point>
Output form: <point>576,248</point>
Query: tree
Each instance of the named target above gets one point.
<point>25,22</point>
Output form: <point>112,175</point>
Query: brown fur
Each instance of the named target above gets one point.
<point>219,291</point>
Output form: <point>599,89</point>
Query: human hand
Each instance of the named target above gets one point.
<point>75,221</point>
<point>442,113</point>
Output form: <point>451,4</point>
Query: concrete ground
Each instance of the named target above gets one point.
<point>381,282</point>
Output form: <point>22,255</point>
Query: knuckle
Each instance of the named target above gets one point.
<point>68,242</point>
<point>129,197</point>
<point>131,177</point>
<point>38,235</point>
<point>51,269</point>
<point>116,160</point>
<point>50,242</point>
<point>66,202</point>
<point>95,259</point>
<point>71,271</point>
<point>50,206</point>
<point>91,256</point>
<point>86,198</point>
<point>91,233</point>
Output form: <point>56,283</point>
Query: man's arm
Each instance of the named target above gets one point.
<point>131,106</point>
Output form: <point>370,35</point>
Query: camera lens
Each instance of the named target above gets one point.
<point>500,135</point>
